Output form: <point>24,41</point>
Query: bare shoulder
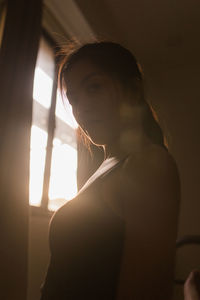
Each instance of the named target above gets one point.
<point>153,157</point>
<point>150,192</point>
<point>152,173</point>
<point>152,161</point>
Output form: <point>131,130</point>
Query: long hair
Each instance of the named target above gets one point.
<point>121,64</point>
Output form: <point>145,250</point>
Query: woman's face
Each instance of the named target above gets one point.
<point>95,98</point>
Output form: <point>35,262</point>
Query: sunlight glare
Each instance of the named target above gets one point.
<point>42,87</point>
<point>63,181</point>
<point>37,163</point>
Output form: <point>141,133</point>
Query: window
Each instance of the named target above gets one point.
<point>53,147</point>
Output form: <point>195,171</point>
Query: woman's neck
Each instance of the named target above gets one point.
<point>129,141</point>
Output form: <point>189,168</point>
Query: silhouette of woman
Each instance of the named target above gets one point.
<point>116,238</point>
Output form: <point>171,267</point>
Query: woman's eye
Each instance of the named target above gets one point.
<point>92,88</point>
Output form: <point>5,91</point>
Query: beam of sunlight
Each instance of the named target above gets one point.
<point>37,163</point>
<point>42,87</point>
<point>63,180</point>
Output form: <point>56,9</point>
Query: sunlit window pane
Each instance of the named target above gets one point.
<point>44,74</point>
<point>37,163</point>
<point>63,183</point>
<point>42,88</point>
<point>42,91</point>
<point>45,58</point>
<point>63,180</point>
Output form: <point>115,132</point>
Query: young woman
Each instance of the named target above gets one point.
<point>116,238</point>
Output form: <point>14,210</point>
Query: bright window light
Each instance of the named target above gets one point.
<point>42,87</point>
<point>63,183</point>
<point>37,163</point>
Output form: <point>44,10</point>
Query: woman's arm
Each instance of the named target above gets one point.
<point>151,192</point>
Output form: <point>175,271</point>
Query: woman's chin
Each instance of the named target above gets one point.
<point>100,135</point>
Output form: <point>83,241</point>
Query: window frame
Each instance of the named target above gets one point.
<point>43,209</point>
